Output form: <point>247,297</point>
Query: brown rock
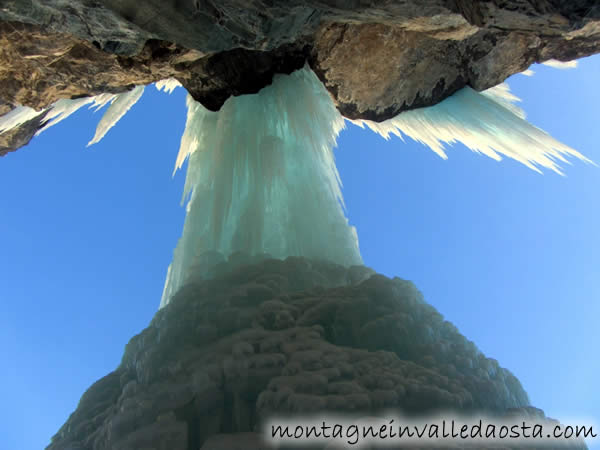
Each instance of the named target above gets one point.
<point>376,58</point>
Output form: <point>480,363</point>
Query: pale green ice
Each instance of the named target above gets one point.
<point>261,175</point>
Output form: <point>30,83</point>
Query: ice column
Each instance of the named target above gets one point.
<point>261,178</point>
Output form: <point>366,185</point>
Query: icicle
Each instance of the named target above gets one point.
<point>560,64</point>
<point>501,94</point>
<point>17,117</point>
<point>168,85</point>
<point>118,108</point>
<point>62,109</point>
<point>99,101</point>
<point>486,122</point>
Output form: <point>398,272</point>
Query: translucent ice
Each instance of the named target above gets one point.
<point>118,108</point>
<point>261,178</point>
<point>61,109</point>
<point>486,122</point>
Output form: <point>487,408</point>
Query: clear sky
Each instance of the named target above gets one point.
<point>510,256</point>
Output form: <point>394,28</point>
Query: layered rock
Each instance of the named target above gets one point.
<point>376,58</point>
<point>266,338</point>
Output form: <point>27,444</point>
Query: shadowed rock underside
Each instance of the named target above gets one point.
<point>376,58</point>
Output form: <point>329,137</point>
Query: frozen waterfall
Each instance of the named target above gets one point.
<point>261,176</point>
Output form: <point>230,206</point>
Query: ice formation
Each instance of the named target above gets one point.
<point>17,117</point>
<point>61,109</point>
<point>168,85</point>
<point>555,64</point>
<point>486,122</point>
<point>119,106</point>
<point>560,64</point>
<point>261,176</point>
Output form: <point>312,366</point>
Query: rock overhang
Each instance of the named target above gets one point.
<point>375,58</point>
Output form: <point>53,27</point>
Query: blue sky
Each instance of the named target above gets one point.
<point>508,255</point>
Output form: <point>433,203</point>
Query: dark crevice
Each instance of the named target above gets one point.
<point>227,417</point>
<point>189,415</point>
<point>238,72</point>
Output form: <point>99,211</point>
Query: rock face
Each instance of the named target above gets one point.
<point>270,338</point>
<point>18,137</point>
<point>377,58</point>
